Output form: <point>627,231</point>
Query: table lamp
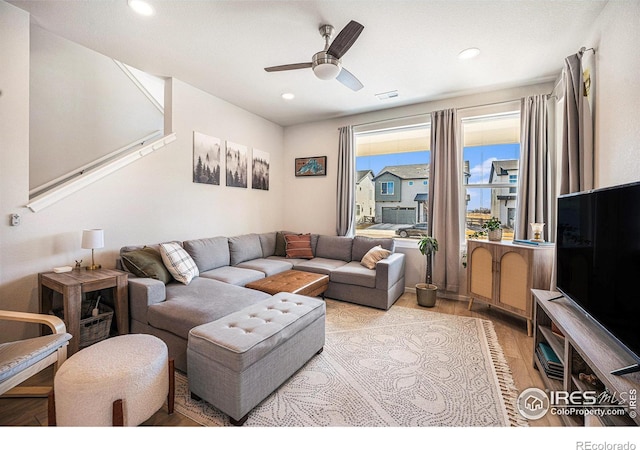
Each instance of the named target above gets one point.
<point>93,239</point>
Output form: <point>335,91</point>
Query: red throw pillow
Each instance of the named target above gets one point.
<point>298,246</point>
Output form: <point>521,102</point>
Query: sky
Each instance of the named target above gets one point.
<point>480,159</point>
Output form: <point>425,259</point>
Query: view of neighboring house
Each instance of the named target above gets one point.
<point>401,194</point>
<point>365,197</point>
<point>503,200</point>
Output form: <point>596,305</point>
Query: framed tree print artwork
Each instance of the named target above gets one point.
<point>237,165</point>
<point>260,170</point>
<point>206,159</point>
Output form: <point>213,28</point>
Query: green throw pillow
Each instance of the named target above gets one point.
<point>146,263</point>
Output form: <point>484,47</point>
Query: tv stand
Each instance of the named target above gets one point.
<point>584,347</point>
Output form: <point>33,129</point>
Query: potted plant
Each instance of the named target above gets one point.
<point>492,228</point>
<point>426,292</point>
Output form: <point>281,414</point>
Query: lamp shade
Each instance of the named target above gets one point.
<point>326,71</point>
<point>93,238</point>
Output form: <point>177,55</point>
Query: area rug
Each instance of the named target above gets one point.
<point>406,367</point>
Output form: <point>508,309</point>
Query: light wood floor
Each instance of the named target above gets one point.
<point>511,331</point>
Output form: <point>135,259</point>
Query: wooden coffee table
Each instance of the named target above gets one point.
<point>293,281</point>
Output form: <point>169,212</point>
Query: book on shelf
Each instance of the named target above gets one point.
<point>530,242</point>
<point>555,330</point>
<point>554,372</point>
<point>550,356</point>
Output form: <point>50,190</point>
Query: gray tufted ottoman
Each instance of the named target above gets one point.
<point>239,360</point>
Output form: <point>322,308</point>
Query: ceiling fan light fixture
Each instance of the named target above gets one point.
<point>326,71</point>
<point>469,53</point>
<point>141,7</point>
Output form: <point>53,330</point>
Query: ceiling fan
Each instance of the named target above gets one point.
<point>327,63</point>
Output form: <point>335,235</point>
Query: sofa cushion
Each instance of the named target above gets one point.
<point>334,247</point>
<point>281,243</point>
<point>209,253</point>
<point>267,265</point>
<point>178,262</point>
<point>244,248</point>
<point>146,263</point>
<point>362,244</point>
<point>374,255</point>
<point>238,276</point>
<point>354,273</point>
<point>298,246</point>
<point>203,301</point>
<point>319,265</point>
<point>268,244</point>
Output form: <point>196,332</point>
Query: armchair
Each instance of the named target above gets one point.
<point>20,360</point>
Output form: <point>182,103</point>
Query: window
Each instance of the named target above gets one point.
<point>386,188</point>
<point>491,156</point>
<point>392,163</point>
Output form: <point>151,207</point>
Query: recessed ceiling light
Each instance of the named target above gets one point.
<point>288,96</point>
<point>469,53</point>
<point>141,7</point>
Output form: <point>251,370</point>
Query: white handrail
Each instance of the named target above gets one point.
<point>91,176</point>
<point>82,169</point>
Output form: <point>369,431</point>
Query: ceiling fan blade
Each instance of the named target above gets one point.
<point>288,67</point>
<point>345,39</point>
<point>349,80</point>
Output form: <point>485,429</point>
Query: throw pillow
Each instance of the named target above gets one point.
<point>146,263</point>
<point>374,255</point>
<point>178,262</point>
<point>298,246</point>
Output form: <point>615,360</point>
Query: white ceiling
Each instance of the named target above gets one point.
<point>222,46</point>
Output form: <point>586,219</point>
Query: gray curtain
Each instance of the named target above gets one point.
<point>444,199</point>
<point>345,213</point>
<point>535,189</point>
<point>576,166</point>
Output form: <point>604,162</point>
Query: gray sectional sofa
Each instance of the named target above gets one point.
<point>169,309</point>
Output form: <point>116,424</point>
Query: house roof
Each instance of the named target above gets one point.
<point>502,167</point>
<point>407,171</point>
<point>360,174</point>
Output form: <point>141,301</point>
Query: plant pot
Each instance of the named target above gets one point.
<point>495,235</point>
<point>426,294</point>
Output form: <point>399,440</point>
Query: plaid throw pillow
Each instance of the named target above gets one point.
<point>178,262</point>
<point>298,246</point>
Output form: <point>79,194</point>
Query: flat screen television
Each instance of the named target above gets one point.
<point>598,261</point>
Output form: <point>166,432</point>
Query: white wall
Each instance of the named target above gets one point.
<point>82,106</point>
<point>617,127</point>
<point>151,200</point>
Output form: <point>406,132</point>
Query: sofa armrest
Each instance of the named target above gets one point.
<point>389,271</point>
<point>144,292</point>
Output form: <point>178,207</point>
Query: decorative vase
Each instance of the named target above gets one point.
<point>426,294</point>
<point>495,235</point>
<point>537,231</point>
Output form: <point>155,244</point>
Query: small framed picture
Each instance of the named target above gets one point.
<point>311,167</point>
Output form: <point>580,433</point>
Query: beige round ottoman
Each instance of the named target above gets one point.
<point>123,380</point>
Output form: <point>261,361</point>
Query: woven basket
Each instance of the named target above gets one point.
<point>95,329</point>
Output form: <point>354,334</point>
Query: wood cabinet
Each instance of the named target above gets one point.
<point>502,274</point>
<point>584,347</point>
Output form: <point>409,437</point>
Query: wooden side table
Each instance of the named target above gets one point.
<point>71,285</point>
